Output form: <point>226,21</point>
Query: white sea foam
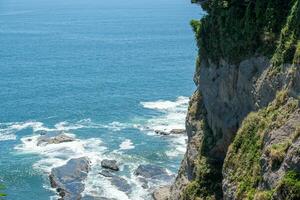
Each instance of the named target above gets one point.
<point>172,117</point>
<point>54,155</point>
<point>126,144</point>
<point>177,146</point>
<point>4,137</point>
<point>173,114</point>
<point>8,130</point>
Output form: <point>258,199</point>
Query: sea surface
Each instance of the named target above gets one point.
<point>107,72</point>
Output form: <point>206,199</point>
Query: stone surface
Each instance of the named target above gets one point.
<point>151,171</point>
<point>89,197</point>
<point>225,95</point>
<point>161,193</point>
<point>162,132</point>
<point>54,137</point>
<point>106,173</point>
<point>121,184</point>
<point>178,131</point>
<point>110,164</point>
<point>68,179</point>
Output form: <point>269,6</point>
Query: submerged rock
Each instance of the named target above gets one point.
<point>54,138</point>
<point>161,193</point>
<point>178,131</point>
<point>89,197</point>
<point>151,171</point>
<point>121,184</point>
<point>110,164</point>
<point>159,132</point>
<point>106,173</point>
<point>68,179</point>
<point>172,132</point>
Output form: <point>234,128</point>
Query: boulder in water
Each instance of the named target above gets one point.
<point>54,138</point>
<point>178,131</point>
<point>151,171</point>
<point>162,132</point>
<point>121,184</point>
<point>68,179</point>
<point>110,164</point>
<point>106,173</point>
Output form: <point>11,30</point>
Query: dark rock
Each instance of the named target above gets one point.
<point>42,132</point>
<point>161,132</point>
<point>151,171</point>
<point>161,193</point>
<point>106,173</point>
<point>68,178</point>
<point>178,131</point>
<point>89,197</point>
<point>121,184</point>
<point>54,138</point>
<point>110,164</point>
<point>144,183</point>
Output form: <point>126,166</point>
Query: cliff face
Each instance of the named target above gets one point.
<point>243,122</point>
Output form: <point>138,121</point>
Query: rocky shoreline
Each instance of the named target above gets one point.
<point>68,180</point>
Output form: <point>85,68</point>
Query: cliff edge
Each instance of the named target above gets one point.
<point>243,121</point>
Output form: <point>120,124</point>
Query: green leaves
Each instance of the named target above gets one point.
<point>235,30</point>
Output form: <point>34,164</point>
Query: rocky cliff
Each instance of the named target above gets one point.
<point>243,121</point>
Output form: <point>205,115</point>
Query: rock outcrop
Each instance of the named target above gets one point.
<point>161,193</point>
<point>110,164</point>
<point>151,171</point>
<point>53,137</point>
<point>243,119</point>
<point>68,179</point>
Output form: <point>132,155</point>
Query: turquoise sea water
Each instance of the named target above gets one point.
<point>108,72</point>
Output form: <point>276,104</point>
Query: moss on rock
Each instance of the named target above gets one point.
<point>242,163</point>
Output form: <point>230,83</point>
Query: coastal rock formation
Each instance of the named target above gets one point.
<point>171,132</point>
<point>117,181</point>
<point>121,184</point>
<point>178,131</point>
<point>53,137</point>
<point>151,171</point>
<point>243,119</point>
<point>68,179</point>
<point>110,164</point>
<point>161,193</point>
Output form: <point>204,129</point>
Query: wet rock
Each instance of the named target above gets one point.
<point>121,184</point>
<point>144,183</point>
<point>178,131</point>
<point>106,173</point>
<point>110,164</point>
<point>151,171</point>
<point>68,179</point>
<point>54,138</point>
<point>89,197</point>
<point>42,132</point>
<point>159,132</point>
<point>161,193</point>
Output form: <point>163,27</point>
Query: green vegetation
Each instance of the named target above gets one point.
<point>234,30</point>
<point>277,153</point>
<point>263,195</point>
<point>207,183</point>
<point>289,188</point>
<point>244,153</point>
<point>2,188</point>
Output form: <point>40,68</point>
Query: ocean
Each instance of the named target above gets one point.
<point>106,72</point>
